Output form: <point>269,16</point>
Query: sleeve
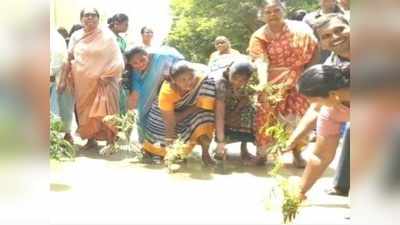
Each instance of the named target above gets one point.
<point>211,59</point>
<point>58,53</point>
<point>310,43</point>
<point>326,125</point>
<point>167,97</point>
<point>256,47</point>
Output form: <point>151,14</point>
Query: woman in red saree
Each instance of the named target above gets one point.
<point>281,49</point>
<point>95,64</point>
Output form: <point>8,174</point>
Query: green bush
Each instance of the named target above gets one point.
<point>196,23</point>
<point>59,148</point>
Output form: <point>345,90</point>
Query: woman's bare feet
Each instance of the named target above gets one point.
<point>207,160</point>
<point>91,143</point>
<point>205,141</point>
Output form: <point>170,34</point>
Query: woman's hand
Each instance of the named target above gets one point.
<point>221,151</point>
<point>263,100</point>
<point>290,145</point>
<point>105,80</point>
<point>61,85</point>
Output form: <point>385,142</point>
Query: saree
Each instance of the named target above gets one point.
<point>239,115</point>
<point>147,84</point>
<point>96,57</point>
<point>287,54</point>
<point>192,126</point>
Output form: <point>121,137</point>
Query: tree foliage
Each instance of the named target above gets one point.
<point>196,23</point>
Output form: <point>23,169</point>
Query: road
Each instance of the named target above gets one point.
<point>119,189</point>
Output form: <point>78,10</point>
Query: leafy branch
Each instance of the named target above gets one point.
<point>59,148</point>
<point>278,130</point>
<point>176,154</point>
<point>287,189</point>
<point>124,123</point>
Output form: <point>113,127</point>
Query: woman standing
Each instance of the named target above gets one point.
<point>222,57</point>
<point>281,50</point>
<point>95,64</point>
<point>147,37</point>
<point>184,109</point>
<point>119,24</point>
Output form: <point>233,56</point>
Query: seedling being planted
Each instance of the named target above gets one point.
<point>176,155</point>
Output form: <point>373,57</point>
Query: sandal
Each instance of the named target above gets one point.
<point>335,191</point>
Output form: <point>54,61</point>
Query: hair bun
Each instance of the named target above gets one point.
<point>343,77</point>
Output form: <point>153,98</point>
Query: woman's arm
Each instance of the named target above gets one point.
<point>65,71</point>
<point>220,120</point>
<point>306,124</point>
<point>132,100</point>
<point>323,154</point>
<point>170,123</point>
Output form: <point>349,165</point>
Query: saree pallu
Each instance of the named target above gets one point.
<point>190,128</point>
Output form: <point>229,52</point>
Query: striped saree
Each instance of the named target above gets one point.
<point>190,128</point>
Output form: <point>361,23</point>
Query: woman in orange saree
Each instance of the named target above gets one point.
<point>281,49</point>
<point>95,64</point>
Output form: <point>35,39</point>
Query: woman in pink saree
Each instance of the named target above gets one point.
<point>95,64</point>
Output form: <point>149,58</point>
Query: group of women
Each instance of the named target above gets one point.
<point>177,99</point>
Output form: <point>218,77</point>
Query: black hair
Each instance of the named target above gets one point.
<point>325,19</point>
<point>319,80</point>
<point>242,68</point>
<point>74,28</point>
<point>131,53</point>
<point>181,67</point>
<point>298,15</point>
<point>83,13</point>
<point>120,17</point>
<point>63,32</point>
<point>144,29</point>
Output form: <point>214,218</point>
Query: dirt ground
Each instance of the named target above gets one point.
<point>119,189</point>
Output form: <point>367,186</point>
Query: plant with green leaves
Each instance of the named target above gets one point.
<point>288,189</point>
<point>196,24</point>
<point>279,131</point>
<point>177,153</point>
<point>124,123</point>
<point>59,148</point>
